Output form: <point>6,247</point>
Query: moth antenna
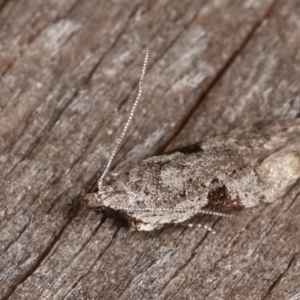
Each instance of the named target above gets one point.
<point>136,101</point>
<point>198,211</point>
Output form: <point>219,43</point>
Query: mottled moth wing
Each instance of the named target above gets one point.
<point>242,169</point>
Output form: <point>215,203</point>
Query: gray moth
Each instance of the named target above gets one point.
<point>242,169</point>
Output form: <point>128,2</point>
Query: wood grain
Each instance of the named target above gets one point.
<point>69,73</point>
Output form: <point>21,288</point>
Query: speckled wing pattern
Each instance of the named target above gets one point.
<point>242,169</point>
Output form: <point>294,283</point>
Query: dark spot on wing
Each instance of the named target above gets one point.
<point>220,200</point>
<point>195,148</point>
<point>182,194</point>
<point>215,180</point>
<point>146,191</point>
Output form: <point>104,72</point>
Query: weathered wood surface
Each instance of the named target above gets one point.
<point>69,72</point>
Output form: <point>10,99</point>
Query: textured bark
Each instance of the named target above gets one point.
<point>69,72</point>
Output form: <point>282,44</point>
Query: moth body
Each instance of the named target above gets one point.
<point>248,166</point>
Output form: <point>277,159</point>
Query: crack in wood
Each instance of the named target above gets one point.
<point>181,124</point>
<point>280,276</point>
<point>41,257</point>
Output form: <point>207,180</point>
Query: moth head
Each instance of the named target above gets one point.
<point>108,196</point>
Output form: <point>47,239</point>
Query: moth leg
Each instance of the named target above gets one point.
<point>190,225</point>
<point>141,226</point>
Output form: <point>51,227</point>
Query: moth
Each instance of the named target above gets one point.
<point>242,169</point>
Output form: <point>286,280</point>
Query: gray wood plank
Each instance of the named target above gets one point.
<point>69,74</point>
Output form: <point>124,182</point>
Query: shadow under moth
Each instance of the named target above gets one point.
<point>246,167</point>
